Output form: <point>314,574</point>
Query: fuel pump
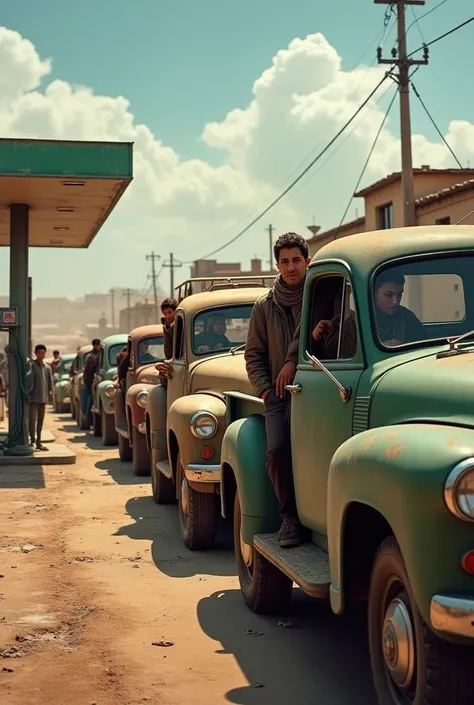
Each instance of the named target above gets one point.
<point>17,392</point>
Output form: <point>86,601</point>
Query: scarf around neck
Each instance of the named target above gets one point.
<point>291,299</point>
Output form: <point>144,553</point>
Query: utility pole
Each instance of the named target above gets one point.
<point>401,60</point>
<point>112,308</point>
<point>270,242</point>
<point>172,263</point>
<point>128,293</point>
<point>154,278</point>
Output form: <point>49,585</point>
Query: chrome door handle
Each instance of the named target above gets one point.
<point>293,388</point>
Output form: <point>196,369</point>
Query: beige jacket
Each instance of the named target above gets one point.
<point>268,340</point>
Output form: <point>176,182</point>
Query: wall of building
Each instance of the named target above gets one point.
<point>212,268</point>
<point>142,314</point>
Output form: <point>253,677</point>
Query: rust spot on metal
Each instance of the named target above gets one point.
<point>396,449</point>
<point>392,434</point>
<point>369,443</point>
<point>452,442</point>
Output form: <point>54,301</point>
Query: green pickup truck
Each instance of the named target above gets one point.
<point>103,419</point>
<point>382,426</point>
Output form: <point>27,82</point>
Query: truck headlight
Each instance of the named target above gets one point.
<point>204,425</point>
<point>110,390</point>
<point>459,490</point>
<point>142,397</point>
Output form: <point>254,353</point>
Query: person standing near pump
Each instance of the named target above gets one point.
<point>39,384</point>
<point>271,355</point>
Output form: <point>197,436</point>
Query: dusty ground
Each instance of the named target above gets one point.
<point>92,573</point>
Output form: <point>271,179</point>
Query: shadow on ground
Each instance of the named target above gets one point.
<point>119,470</point>
<point>22,477</point>
<point>320,658</point>
<point>160,525</point>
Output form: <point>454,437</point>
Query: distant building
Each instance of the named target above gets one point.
<point>142,314</point>
<point>443,197</point>
<point>210,268</point>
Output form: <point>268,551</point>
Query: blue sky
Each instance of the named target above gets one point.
<point>183,63</point>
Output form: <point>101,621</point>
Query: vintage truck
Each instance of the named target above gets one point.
<point>382,428</point>
<point>144,349</point>
<point>61,397</point>
<point>103,420</point>
<point>185,421</point>
<point>76,372</point>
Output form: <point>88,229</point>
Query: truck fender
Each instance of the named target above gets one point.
<point>243,457</point>
<point>180,414</point>
<point>135,413</point>
<point>104,400</point>
<point>393,477</point>
<point>155,416</point>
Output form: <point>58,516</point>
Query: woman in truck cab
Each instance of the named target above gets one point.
<point>396,324</point>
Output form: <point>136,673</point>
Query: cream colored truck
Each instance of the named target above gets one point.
<point>186,420</point>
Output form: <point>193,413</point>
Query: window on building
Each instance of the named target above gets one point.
<point>385,216</point>
<point>443,221</point>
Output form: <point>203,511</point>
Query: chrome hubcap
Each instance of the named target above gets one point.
<point>184,496</point>
<point>398,643</point>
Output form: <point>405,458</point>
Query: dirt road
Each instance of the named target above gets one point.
<point>94,579</point>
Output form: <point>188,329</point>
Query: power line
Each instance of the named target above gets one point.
<point>303,173</point>
<point>442,36</point>
<point>379,39</point>
<point>339,146</point>
<point>465,218</point>
<point>417,22</point>
<point>425,14</point>
<point>153,276</point>
<point>361,176</point>
<point>435,125</point>
<point>329,145</point>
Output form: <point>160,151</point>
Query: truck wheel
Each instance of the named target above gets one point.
<point>96,424</point>
<point>197,513</point>
<point>109,434</point>
<point>164,490</point>
<point>266,589</point>
<point>62,408</point>
<point>141,460</point>
<point>73,408</point>
<point>410,664</point>
<point>125,451</point>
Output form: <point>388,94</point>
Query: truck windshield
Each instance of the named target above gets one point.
<point>427,299</point>
<point>113,352</point>
<point>151,350</point>
<point>67,364</point>
<point>218,329</point>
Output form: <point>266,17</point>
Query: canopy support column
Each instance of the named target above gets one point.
<point>18,342</point>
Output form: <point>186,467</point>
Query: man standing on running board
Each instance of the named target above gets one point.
<point>271,355</point>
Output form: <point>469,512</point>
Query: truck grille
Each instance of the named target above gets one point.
<point>360,420</point>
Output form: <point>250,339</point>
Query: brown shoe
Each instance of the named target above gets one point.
<point>290,534</point>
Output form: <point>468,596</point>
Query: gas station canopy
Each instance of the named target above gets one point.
<point>70,187</point>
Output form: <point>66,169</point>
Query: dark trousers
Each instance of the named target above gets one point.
<point>86,400</point>
<point>35,421</point>
<point>279,463</point>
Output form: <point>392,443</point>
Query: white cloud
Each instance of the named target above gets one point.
<point>298,104</point>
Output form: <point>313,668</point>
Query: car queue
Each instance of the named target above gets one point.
<point>377,398</point>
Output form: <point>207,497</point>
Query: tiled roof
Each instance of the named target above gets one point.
<point>445,192</point>
<point>391,178</point>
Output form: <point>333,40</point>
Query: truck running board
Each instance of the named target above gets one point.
<point>307,565</point>
<point>163,466</point>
